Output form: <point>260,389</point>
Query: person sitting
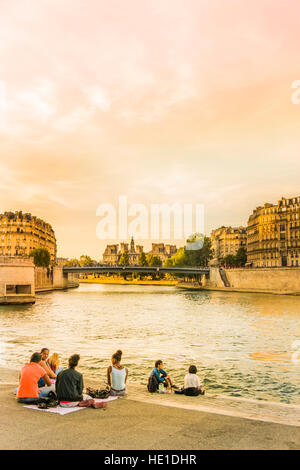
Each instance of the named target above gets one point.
<point>54,364</point>
<point>162,376</point>
<point>69,386</point>
<point>45,364</point>
<point>192,385</point>
<point>28,390</point>
<point>117,376</point>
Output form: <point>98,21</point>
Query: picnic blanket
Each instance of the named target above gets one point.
<point>56,409</point>
<point>64,411</point>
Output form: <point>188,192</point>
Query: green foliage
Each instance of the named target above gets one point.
<point>241,256</point>
<point>85,260</point>
<point>124,259</point>
<point>153,260</point>
<point>142,259</point>
<point>184,257</point>
<point>239,259</point>
<point>169,263</point>
<point>72,262</point>
<point>41,257</point>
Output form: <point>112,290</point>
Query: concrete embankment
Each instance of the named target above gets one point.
<point>144,421</point>
<point>283,281</point>
<point>20,280</point>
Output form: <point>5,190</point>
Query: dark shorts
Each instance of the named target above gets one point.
<point>192,391</point>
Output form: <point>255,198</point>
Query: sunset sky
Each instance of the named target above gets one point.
<point>162,101</point>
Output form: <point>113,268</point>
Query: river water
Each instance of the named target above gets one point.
<point>243,344</point>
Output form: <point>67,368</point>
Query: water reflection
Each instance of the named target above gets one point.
<point>241,343</point>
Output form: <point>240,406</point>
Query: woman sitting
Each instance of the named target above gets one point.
<point>117,376</point>
<point>192,386</point>
<point>69,386</point>
<point>54,363</point>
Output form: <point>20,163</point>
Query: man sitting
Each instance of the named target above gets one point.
<point>69,386</point>
<point>161,375</point>
<point>28,391</point>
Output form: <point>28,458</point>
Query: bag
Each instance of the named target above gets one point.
<point>96,393</point>
<point>101,404</point>
<point>152,384</point>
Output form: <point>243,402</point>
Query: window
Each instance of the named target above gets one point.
<point>18,289</point>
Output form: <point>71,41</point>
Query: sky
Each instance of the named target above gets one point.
<point>180,101</point>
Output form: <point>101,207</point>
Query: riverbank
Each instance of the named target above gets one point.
<point>138,282</point>
<point>52,289</point>
<point>280,281</point>
<point>152,422</point>
<point>191,286</point>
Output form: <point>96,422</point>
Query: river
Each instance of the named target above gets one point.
<point>243,344</point>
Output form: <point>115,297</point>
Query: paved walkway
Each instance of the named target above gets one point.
<point>150,422</point>
<point>271,412</point>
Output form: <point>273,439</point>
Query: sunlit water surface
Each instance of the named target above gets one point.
<point>243,344</point>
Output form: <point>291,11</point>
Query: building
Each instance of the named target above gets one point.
<point>112,253</point>
<point>273,234</point>
<point>227,241</point>
<point>163,251</point>
<point>61,261</point>
<point>21,233</point>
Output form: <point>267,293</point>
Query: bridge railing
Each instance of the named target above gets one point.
<point>133,268</point>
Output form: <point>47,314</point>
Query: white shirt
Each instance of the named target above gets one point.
<point>191,380</point>
<point>118,378</point>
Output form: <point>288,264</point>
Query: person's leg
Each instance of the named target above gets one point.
<point>86,401</point>
<point>44,391</point>
<point>28,401</point>
<point>180,392</point>
<point>41,383</point>
<point>169,380</point>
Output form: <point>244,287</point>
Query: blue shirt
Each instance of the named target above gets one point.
<point>159,374</point>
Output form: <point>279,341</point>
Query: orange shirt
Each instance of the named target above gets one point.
<point>30,375</point>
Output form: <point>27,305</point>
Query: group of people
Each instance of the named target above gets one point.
<point>159,380</point>
<point>43,376</point>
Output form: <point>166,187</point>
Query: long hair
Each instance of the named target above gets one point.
<point>54,361</point>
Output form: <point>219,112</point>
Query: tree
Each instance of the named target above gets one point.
<point>156,261</point>
<point>85,260</point>
<point>124,259</point>
<point>41,257</point>
<point>153,260</point>
<point>142,260</point>
<point>241,256</point>
<point>185,257</point>
<point>230,260</point>
<point>72,262</point>
<point>169,262</point>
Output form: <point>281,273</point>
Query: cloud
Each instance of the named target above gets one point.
<point>72,121</point>
<point>99,98</point>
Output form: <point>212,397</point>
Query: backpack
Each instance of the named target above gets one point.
<point>96,393</point>
<point>152,384</point>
